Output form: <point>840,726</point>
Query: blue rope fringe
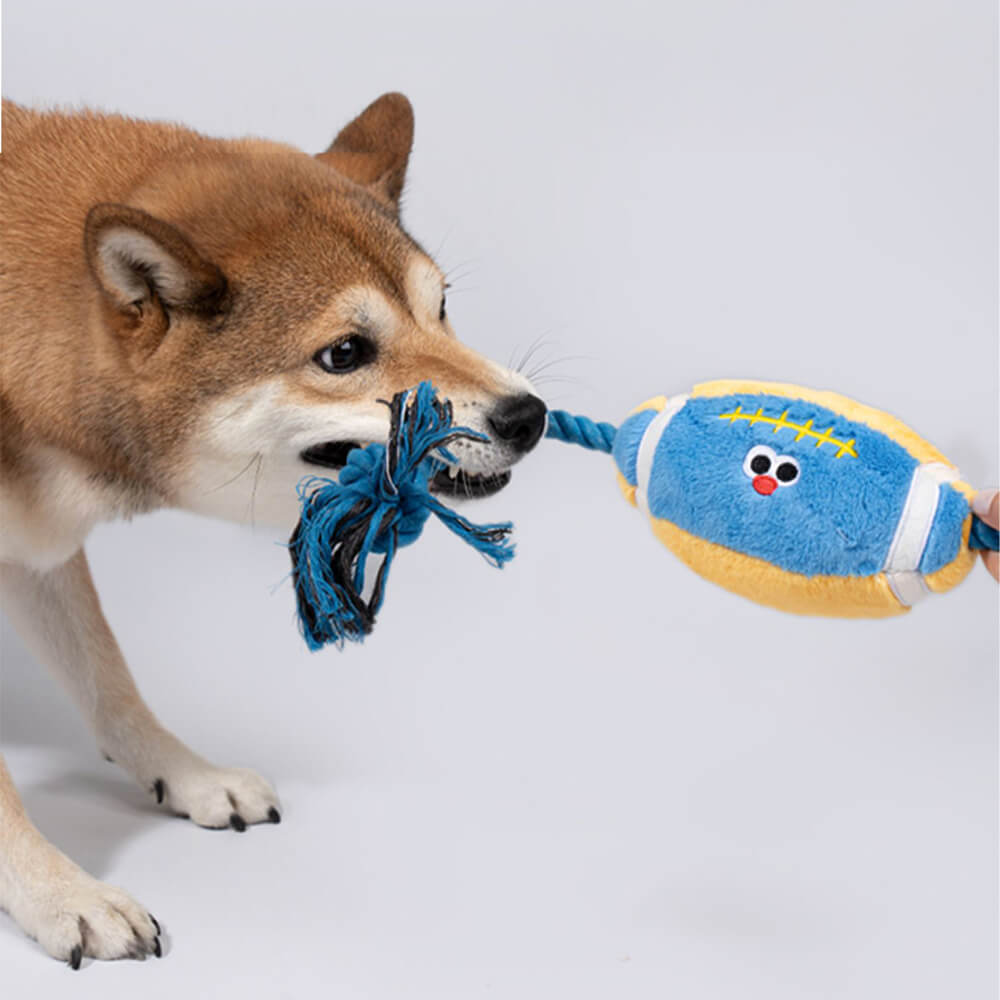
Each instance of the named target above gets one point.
<point>380,501</point>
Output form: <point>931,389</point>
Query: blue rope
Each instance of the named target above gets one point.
<point>583,431</point>
<point>982,536</point>
<point>379,502</point>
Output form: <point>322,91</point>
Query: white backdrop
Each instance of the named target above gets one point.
<point>592,775</point>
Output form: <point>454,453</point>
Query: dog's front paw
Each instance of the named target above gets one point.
<point>74,916</point>
<point>186,783</point>
<point>218,797</point>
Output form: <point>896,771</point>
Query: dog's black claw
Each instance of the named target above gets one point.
<point>160,788</point>
<point>273,815</point>
<point>154,922</point>
<point>108,759</point>
<point>157,948</point>
<point>237,822</point>
<point>75,957</point>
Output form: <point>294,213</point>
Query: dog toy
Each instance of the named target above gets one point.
<point>803,500</point>
<point>799,499</point>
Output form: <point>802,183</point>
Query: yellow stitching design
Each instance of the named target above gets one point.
<point>804,430</point>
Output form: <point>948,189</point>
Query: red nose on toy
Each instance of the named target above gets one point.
<point>765,485</point>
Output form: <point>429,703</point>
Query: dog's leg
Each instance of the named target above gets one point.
<point>59,616</point>
<point>67,911</point>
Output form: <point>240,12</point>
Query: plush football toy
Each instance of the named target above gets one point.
<point>800,499</point>
<point>803,500</point>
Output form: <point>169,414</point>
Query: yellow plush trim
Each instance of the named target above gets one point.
<point>656,403</point>
<point>627,488</point>
<point>878,420</point>
<point>761,581</point>
<point>958,569</point>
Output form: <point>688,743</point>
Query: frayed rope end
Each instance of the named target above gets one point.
<point>380,501</point>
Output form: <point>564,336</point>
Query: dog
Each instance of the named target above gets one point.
<point>185,318</point>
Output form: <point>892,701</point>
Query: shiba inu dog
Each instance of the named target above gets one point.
<point>191,322</point>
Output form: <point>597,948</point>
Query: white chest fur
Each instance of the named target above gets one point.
<point>45,517</point>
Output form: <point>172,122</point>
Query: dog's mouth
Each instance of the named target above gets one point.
<point>329,454</point>
<point>450,481</point>
<point>465,486</point>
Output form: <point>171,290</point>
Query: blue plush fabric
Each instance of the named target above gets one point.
<point>946,531</point>
<point>837,518</point>
<point>627,441</point>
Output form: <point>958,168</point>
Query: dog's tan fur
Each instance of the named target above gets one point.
<point>163,296</point>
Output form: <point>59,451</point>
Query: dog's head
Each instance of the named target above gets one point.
<point>267,303</point>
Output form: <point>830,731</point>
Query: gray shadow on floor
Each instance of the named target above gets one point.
<point>34,709</point>
<point>90,816</point>
<point>89,813</point>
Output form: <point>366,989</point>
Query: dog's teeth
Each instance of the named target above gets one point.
<point>453,471</point>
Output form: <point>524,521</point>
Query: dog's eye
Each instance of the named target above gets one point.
<point>346,355</point>
<point>442,312</point>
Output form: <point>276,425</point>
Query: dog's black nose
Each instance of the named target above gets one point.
<point>519,421</point>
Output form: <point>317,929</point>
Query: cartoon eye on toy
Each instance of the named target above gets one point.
<point>759,461</point>
<point>786,470</point>
<point>760,467</point>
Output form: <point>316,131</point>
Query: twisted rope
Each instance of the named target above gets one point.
<point>982,536</point>
<point>583,431</point>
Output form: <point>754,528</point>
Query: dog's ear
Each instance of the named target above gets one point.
<point>137,258</point>
<point>373,150</point>
<point>148,270</point>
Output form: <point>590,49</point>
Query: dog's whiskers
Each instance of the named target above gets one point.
<point>461,270</point>
<point>545,366</point>
<point>537,344</point>
<point>444,240</point>
<point>252,507</point>
<point>215,489</point>
<point>564,379</point>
